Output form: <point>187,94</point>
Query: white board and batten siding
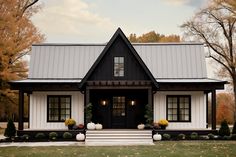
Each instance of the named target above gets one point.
<point>38,110</point>
<point>198,110</point>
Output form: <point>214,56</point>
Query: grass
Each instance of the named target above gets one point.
<point>164,149</point>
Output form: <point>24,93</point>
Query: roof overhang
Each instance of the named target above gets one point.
<point>30,85</point>
<point>199,84</point>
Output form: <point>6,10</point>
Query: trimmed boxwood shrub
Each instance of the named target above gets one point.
<point>40,135</point>
<point>211,136</point>
<point>181,137</point>
<point>10,131</point>
<point>53,135</point>
<point>67,135</point>
<point>226,137</point>
<point>194,136</point>
<point>166,136</point>
<point>25,137</point>
<point>224,129</point>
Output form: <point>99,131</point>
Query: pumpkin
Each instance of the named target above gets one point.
<point>91,126</point>
<point>157,137</point>
<point>80,137</point>
<point>141,126</point>
<point>98,126</point>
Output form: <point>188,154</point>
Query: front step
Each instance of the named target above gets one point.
<point>118,137</point>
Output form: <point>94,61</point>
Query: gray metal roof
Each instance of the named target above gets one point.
<point>72,61</point>
<point>199,80</point>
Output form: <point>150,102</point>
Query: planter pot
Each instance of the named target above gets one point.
<point>163,127</point>
<point>157,137</point>
<point>91,126</point>
<point>80,137</point>
<point>70,127</point>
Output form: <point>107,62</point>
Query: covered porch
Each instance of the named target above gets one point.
<point>119,104</point>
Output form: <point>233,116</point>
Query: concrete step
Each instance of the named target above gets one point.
<point>118,137</point>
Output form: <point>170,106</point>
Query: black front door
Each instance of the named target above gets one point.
<point>118,112</point>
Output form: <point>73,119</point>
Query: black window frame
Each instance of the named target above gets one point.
<point>114,63</point>
<point>59,107</point>
<point>178,107</point>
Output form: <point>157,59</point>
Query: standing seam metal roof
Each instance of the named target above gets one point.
<point>73,61</point>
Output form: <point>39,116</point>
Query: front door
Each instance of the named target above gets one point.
<point>118,112</point>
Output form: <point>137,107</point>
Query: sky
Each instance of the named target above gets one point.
<point>95,21</point>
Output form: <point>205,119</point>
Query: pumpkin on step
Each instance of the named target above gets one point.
<point>91,126</point>
<point>98,126</point>
<point>141,126</point>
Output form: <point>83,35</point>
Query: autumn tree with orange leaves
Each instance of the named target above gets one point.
<point>225,108</point>
<point>152,37</point>
<point>17,34</point>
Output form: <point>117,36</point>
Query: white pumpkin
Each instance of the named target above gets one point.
<point>91,126</point>
<point>98,126</point>
<point>141,126</point>
<point>157,137</point>
<point>80,137</point>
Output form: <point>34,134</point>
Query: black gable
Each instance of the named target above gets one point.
<point>134,67</point>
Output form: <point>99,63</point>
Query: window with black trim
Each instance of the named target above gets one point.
<point>58,108</point>
<point>179,108</point>
<point>119,66</point>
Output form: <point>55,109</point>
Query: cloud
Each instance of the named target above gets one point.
<point>70,17</point>
<point>194,3</point>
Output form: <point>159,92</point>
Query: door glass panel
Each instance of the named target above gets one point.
<point>118,106</point>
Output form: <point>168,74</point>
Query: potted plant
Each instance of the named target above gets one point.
<point>163,123</point>
<point>70,123</point>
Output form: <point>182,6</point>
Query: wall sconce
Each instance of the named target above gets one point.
<point>103,102</point>
<point>132,103</point>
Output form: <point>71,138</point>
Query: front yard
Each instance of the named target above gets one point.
<point>163,148</point>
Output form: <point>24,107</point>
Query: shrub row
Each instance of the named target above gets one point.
<point>51,136</point>
<point>195,136</point>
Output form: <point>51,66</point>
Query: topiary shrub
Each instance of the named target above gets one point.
<point>166,136</point>
<point>234,128</point>
<point>233,137</point>
<point>40,135</point>
<point>226,137</point>
<point>53,135</point>
<point>67,135</point>
<point>25,137</point>
<point>224,129</point>
<point>10,131</point>
<point>211,136</point>
<point>181,137</point>
<point>194,136</point>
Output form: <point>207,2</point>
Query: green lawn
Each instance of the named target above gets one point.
<point>164,149</point>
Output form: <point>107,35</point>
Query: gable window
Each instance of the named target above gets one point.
<point>179,108</point>
<point>59,108</point>
<point>118,66</point>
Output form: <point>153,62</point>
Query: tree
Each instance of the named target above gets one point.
<point>225,107</point>
<point>215,26</point>
<point>152,36</point>
<point>17,34</point>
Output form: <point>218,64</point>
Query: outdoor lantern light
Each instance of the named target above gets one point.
<point>132,103</point>
<point>104,102</point>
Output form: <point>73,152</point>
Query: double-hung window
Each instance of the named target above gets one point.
<point>119,67</point>
<point>59,108</point>
<point>179,108</point>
